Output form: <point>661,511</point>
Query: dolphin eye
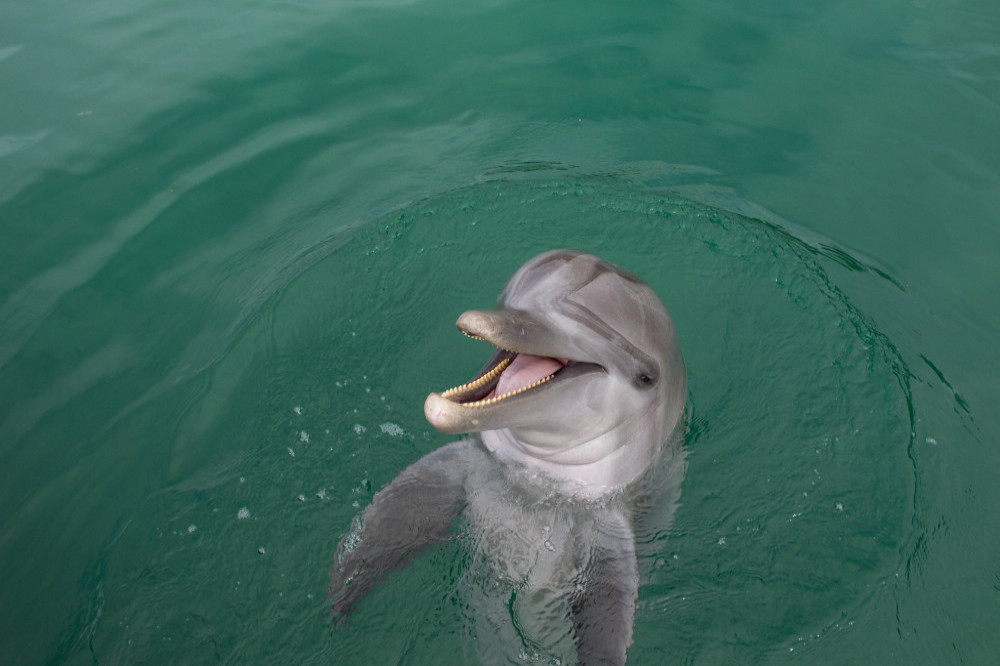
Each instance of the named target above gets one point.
<point>645,379</point>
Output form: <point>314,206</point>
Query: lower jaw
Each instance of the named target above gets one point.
<point>456,417</point>
<point>486,387</point>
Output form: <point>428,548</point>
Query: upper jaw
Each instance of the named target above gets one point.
<point>514,330</point>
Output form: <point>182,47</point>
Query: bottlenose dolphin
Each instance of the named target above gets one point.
<point>585,388</point>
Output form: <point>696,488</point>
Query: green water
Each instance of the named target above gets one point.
<point>234,238</point>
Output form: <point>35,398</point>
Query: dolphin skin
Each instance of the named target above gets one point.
<point>584,390</point>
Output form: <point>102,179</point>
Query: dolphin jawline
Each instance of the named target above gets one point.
<point>474,406</point>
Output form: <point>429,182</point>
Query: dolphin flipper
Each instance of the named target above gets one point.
<point>603,602</point>
<point>406,517</point>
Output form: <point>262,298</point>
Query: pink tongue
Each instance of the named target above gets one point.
<point>526,369</point>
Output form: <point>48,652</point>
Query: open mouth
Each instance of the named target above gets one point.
<point>506,374</point>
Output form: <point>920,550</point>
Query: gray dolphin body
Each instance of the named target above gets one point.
<point>585,389</point>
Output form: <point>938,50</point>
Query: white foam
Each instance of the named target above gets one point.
<point>243,513</point>
<point>392,429</point>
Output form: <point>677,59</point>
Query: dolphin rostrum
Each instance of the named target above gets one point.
<point>585,388</point>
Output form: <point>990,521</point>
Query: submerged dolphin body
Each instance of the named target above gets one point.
<point>586,387</point>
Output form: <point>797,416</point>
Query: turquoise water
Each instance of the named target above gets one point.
<point>234,239</point>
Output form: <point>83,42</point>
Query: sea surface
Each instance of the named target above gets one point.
<point>235,236</point>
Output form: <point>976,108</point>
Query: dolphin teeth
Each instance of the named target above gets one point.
<point>481,381</point>
<point>487,378</point>
<point>496,399</point>
<point>479,337</point>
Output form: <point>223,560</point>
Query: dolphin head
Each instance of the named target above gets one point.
<point>587,381</point>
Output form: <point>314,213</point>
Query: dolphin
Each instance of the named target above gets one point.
<point>584,391</point>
